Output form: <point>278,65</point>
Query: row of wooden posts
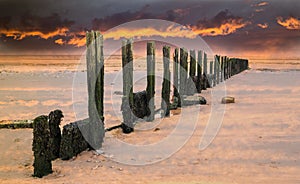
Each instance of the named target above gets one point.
<point>49,144</point>
<point>221,69</point>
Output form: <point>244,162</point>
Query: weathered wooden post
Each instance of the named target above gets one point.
<point>95,80</point>
<point>127,99</point>
<point>191,81</point>
<point>175,79</point>
<point>165,93</point>
<point>40,147</point>
<point>211,74</point>
<point>225,68</point>
<point>183,71</point>
<point>205,77</point>
<point>218,68</point>
<point>192,63</point>
<point>222,68</point>
<point>199,71</point>
<point>99,95</point>
<point>55,133</point>
<point>151,79</point>
<point>215,71</point>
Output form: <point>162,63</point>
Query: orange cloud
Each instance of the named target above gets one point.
<point>171,31</point>
<point>19,35</point>
<point>224,29</point>
<point>289,23</point>
<point>262,4</point>
<point>59,41</point>
<point>263,26</point>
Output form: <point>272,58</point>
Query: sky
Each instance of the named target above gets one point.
<point>256,28</point>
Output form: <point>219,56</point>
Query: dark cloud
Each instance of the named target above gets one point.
<point>221,18</point>
<point>29,22</point>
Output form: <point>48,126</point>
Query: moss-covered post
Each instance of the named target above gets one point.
<point>55,133</point>
<point>176,95</point>
<point>95,76</point>
<point>127,99</point>
<point>151,78</point>
<point>165,93</point>
<point>199,71</point>
<point>40,147</point>
<point>183,71</point>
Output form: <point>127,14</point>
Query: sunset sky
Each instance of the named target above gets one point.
<point>266,29</point>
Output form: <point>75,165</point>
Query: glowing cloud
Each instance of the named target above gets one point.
<point>289,23</point>
<point>263,26</point>
<point>19,35</point>
<point>262,4</point>
<point>59,41</point>
<point>224,29</point>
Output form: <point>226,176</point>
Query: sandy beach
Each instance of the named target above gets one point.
<point>259,140</point>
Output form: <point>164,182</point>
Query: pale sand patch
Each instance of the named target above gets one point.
<point>259,142</point>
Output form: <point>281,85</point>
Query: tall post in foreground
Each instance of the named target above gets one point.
<point>175,78</point>
<point>183,71</point>
<point>150,78</point>
<point>95,77</point>
<point>127,100</point>
<point>165,93</point>
<point>41,148</point>
<point>99,95</point>
<point>199,71</point>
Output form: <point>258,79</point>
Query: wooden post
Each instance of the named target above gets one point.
<point>127,100</point>
<point>225,68</point>
<point>211,74</point>
<point>205,76</point>
<point>99,95</point>
<point>199,71</point>
<point>165,93</point>
<point>222,68</point>
<point>55,133</point>
<point>183,71</point>
<point>175,78</point>
<point>151,78</point>
<point>40,147</point>
<point>215,70</point>
<point>192,63</point>
<point>205,64</point>
<point>218,68</point>
<point>95,77</point>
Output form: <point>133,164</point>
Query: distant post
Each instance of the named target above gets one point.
<point>165,93</point>
<point>211,74</point>
<point>205,77</point>
<point>217,58</point>
<point>222,68</point>
<point>192,63</point>
<point>183,71</point>
<point>199,71</point>
<point>175,77</point>
<point>150,78</point>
